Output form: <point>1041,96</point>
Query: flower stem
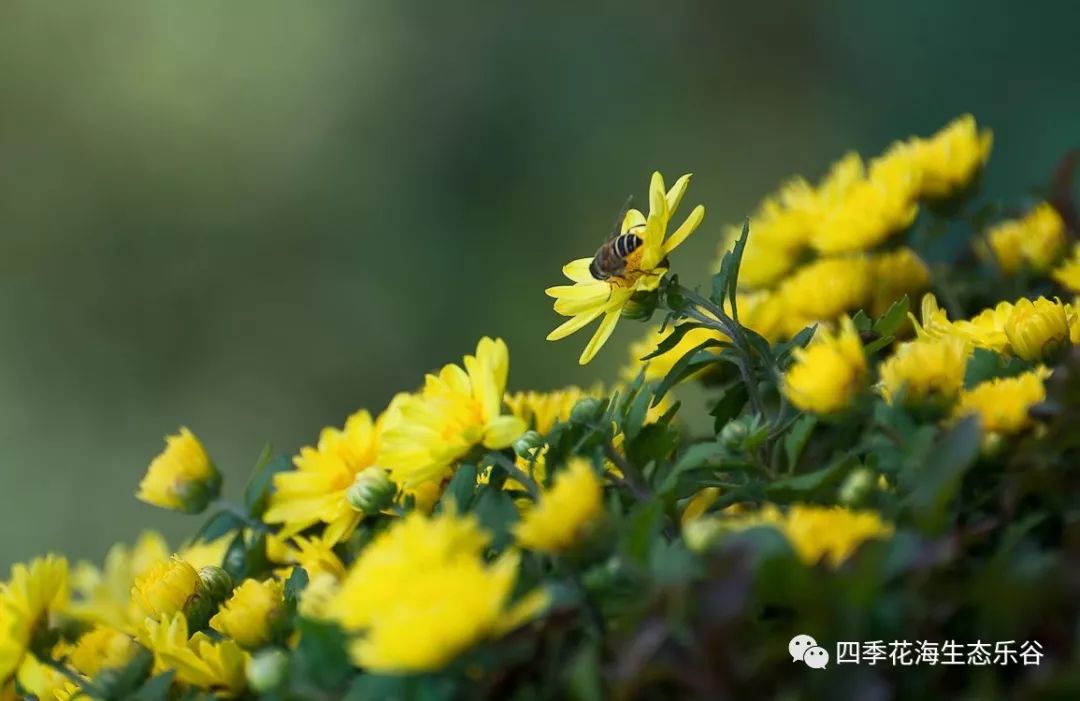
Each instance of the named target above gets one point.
<point>519,475</point>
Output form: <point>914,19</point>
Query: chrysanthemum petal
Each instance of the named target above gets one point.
<point>501,431</point>
<point>687,228</point>
<point>574,324</point>
<point>603,332</point>
<point>634,219</point>
<point>578,270</point>
<point>674,195</point>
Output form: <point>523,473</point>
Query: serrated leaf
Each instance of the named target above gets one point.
<point>156,688</point>
<point>321,658</point>
<point>891,321</point>
<point>861,321</point>
<point>295,585</point>
<point>986,365</point>
<point>878,344</point>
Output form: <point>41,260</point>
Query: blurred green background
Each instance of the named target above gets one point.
<point>253,218</point>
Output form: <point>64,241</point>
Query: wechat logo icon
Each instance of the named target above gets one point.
<point>804,648</point>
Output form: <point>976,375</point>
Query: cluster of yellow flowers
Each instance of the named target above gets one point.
<point>818,252</point>
<point>415,580</point>
<point>928,373</point>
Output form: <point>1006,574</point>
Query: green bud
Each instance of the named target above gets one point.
<point>217,582</point>
<point>641,306</point>
<point>196,495</point>
<point>734,433</point>
<point>529,442</point>
<point>587,410</point>
<point>266,670</point>
<point>371,491</point>
<point>199,609</point>
<point>858,488</point>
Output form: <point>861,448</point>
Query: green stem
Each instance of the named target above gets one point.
<point>519,475</point>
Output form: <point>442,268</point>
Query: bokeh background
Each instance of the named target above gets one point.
<point>253,218</point>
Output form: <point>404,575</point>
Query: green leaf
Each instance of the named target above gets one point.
<point>796,439</point>
<point>583,676</point>
<point>729,405</point>
<point>122,683</point>
<point>692,458</point>
<point>938,477</point>
<point>644,526</point>
<point>321,658</point>
<point>694,360</point>
<point>155,689</point>
<point>216,526</point>
<point>369,687</point>
<point>461,489</point>
<point>862,321</point>
<point>878,344</point>
<point>891,321</point>
<point>811,484</point>
<point>674,338</point>
<point>726,281</point>
<point>261,483</point>
<point>986,365</point>
<point>295,585</point>
<point>637,412</point>
<point>496,512</point>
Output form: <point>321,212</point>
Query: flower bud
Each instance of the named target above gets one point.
<point>529,442</point>
<point>1038,330</point>
<point>217,582</point>
<point>182,478</point>
<point>734,433</point>
<point>167,588</point>
<point>371,491</point>
<point>266,671</point>
<point>641,306</point>
<point>858,487</point>
<point>587,410</point>
<point>250,614</point>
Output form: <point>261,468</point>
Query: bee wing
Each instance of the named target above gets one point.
<point>622,216</point>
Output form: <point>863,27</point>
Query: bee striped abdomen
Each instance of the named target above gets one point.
<point>626,244</point>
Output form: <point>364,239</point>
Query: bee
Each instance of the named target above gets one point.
<point>610,258</point>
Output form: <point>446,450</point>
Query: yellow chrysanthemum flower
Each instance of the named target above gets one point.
<point>315,555</point>
<point>1002,403</point>
<point>204,553</point>
<point>315,492</point>
<point>198,661</point>
<point>104,596</point>
<point>985,330</point>
<point>27,600</point>
<point>421,593</point>
<point>589,298</point>
<point>166,588</point>
<point>565,511</point>
<point>248,616</point>
<point>426,433</point>
<point>46,683</point>
<point>867,209</point>
<point>182,478</point>
<point>782,227</point>
<point>542,410</point>
<point>823,290</point>
<point>930,371</point>
<point>1068,273</point>
<point>951,159</point>
<point>1036,241</point>
<point>698,504</point>
<point>827,374</point>
<point>893,275</point>
<point>317,598</point>
<point>830,533</point>
<point>1037,330</point>
<point>102,647</point>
